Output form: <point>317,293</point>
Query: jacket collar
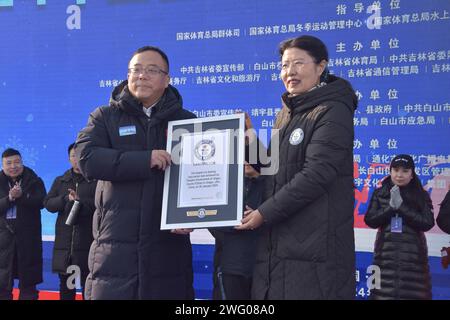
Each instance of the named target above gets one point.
<point>70,175</point>
<point>167,106</point>
<point>337,89</point>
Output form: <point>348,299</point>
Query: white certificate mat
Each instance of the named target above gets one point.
<point>203,187</point>
<point>203,179</point>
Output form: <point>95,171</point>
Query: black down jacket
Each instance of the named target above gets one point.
<point>25,232</point>
<point>443,218</point>
<point>306,250</point>
<point>131,258</point>
<point>401,257</point>
<point>72,243</point>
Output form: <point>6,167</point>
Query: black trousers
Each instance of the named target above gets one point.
<point>69,294</point>
<point>27,293</point>
<point>231,287</point>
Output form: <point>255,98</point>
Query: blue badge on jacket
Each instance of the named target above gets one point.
<point>11,213</point>
<point>127,131</point>
<point>396,224</point>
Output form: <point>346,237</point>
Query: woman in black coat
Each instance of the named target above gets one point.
<point>402,211</point>
<point>72,242</point>
<point>306,245</point>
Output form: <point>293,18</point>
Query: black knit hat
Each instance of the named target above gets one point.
<point>404,161</point>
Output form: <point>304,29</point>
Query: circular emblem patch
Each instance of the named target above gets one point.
<point>201,213</point>
<point>205,149</point>
<point>296,136</point>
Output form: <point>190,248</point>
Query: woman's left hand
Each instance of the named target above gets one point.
<point>252,220</point>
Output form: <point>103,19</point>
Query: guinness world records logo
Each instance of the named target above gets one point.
<point>205,149</point>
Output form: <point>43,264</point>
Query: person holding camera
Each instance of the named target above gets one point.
<point>72,197</point>
<point>402,211</point>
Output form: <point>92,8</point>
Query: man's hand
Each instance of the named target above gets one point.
<point>10,196</point>
<point>72,195</point>
<point>181,231</point>
<point>15,192</point>
<point>252,220</point>
<point>160,159</point>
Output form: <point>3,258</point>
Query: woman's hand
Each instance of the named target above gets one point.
<point>182,231</point>
<point>252,220</point>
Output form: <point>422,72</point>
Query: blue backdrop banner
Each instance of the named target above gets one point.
<point>59,60</point>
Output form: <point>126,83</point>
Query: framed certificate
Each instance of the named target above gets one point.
<point>203,187</point>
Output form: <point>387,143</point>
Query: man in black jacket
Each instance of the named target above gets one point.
<point>72,241</point>
<point>123,146</point>
<point>21,195</point>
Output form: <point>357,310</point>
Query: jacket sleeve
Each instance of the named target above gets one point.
<point>420,220</point>
<point>379,212</point>
<point>54,201</point>
<point>88,203</point>
<point>443,218</point>
<point>5,204</point>
<point>98,160</point>
<point>34,196</point>
<point>329,148</point>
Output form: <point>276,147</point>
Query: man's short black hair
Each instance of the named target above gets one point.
<point>10,152</point>
<point>71,146</point>
<point>155,49</point>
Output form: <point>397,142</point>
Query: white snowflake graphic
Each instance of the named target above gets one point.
<point>29,155</point>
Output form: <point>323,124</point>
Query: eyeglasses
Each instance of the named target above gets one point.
<point>149,71</point>
<point>295,64</point>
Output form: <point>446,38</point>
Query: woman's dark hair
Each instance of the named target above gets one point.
<point>155,49</point>
<point>314,46</point>
<point>71,146</point>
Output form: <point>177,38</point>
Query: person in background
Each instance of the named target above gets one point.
<point>21,199</point>
<point>72,242</point>
<point>443,218</point>
<point>306,246</point>
<point>402,211</point>
<point>235,250</point>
